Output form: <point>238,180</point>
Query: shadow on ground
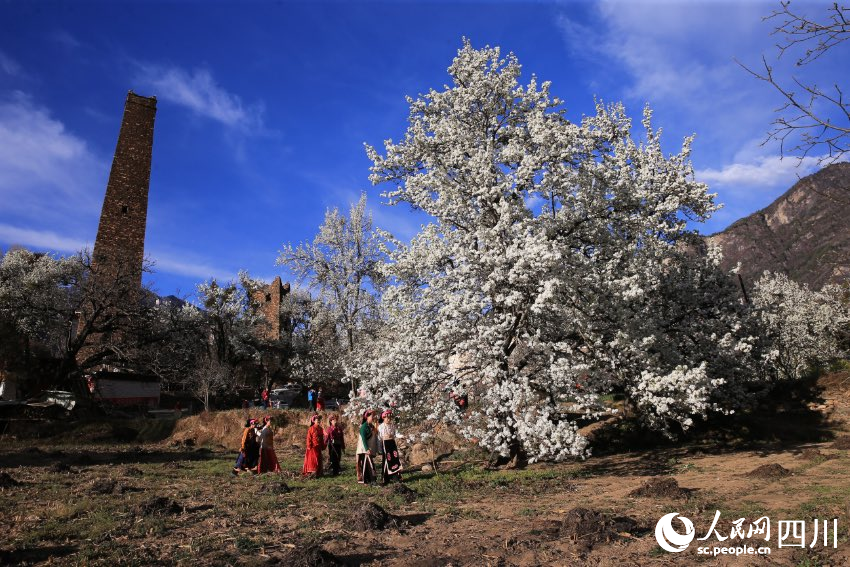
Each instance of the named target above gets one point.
<point>35,457</point>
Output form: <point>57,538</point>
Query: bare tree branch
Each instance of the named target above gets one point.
<point>812,121</point>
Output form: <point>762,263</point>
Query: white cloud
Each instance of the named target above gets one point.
<point>8,65</point>
<point>65,39</point>
<point>198,91</point>
<point>169,263</point>
<point>680,58</point>
<point>765,171</point>
<point>44,169</point>
<point>40,239</point>
<point>179,264</point>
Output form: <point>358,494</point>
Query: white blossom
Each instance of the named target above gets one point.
<point>805,326</point>
<point>535,312</point>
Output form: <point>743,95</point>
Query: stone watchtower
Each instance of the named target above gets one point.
<point>119,248</point>
<point>268,299</point>
<point>120,242</point>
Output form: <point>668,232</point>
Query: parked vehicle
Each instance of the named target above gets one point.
<point>334,403</point>
<point>284,396</point>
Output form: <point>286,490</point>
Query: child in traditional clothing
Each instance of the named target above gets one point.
<point>268,458</point>
<point>242,459</point>
<point>387,431</point>
<point>335,441</point>
<point>315,446</point>
<point>367,447</point>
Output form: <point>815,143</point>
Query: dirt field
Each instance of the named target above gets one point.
<point>67,502</point>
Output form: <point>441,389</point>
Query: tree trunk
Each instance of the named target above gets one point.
<point>516,458</point>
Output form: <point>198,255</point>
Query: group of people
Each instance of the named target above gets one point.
<point>372,440</point>
<point>257,453</point>
<point>316,400</point>
<point>319,438</point>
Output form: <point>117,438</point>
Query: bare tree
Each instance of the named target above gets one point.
<point>83,316</point>
<point>209,378</point>
<point>812,120</point>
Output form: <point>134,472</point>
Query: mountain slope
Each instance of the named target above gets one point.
<point>805,233</point>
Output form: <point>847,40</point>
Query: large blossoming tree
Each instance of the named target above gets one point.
<point>558,267</point>
<point>807,328</point>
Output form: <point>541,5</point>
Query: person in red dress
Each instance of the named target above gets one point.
<point>315,446</point>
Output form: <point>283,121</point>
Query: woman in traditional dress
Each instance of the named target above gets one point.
<point>366,449</point>
<point>315,446</point>
<point>242,459</point>
<point>335,441</point>
<point>387,431</point>
<point>268,458</point>
<point>252,446</point>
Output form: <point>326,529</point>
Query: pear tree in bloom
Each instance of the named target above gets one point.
<point>807,328</point>
<point>230,320</point>
<point>558,266</point>
<point>341,264</point>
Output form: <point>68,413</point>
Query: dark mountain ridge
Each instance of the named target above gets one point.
<point>805,233</point>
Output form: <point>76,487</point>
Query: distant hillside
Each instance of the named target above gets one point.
<point>805,233</point>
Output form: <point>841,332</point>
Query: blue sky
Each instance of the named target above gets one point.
<point>263,108</point>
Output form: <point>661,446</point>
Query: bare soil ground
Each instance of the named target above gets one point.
<point>94,502</point>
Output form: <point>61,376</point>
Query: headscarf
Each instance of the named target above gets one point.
<point>386,414</point>
<point>316,417</point>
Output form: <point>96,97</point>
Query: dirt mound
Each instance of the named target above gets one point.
<point>275,488</point>
<point>309,556</point>
<point>133,471</point>
<point>407,494</point>
<point>769,471</point>
<point>62,468</point>
<point>842,443</point>
<point>109,486</point>
<point>103,486</point>
<point>370,516</point>
<point>588,528</point>
<point>814,455</point>
<point>159,506</point>
<point>6,481</point>
<point>660,487</point>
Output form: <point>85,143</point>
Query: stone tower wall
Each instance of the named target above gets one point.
<point>120,239</point>
<point>269,299</point>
